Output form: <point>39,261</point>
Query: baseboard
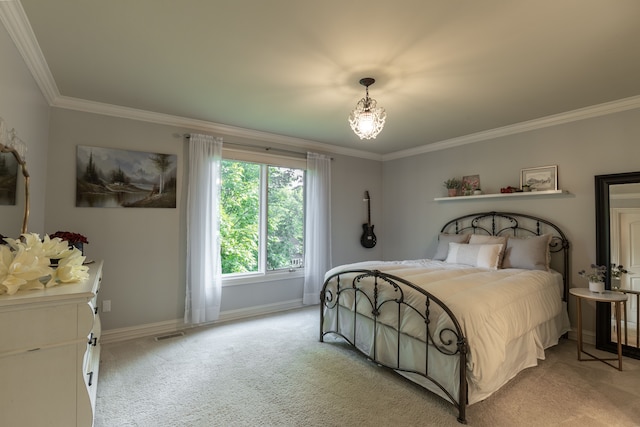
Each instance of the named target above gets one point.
<point>588,337</point>
<point>149,329</point>
<point>170,326</point>
<point>229,315</point>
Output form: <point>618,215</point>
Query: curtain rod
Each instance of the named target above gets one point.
<point>262,147</point>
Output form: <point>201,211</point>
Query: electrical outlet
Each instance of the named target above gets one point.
<point>106,306</point>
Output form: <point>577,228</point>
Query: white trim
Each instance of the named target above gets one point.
<point>205,126</point>
<point>19,28</point>
<point>530,125</point>
<point>15,20</point>
<point>270,276</point>
<point>260,310</point>
<point>17,24</point>
<point>170,326</point>
<point>123,334</point>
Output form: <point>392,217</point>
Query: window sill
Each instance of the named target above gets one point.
<point>247,279</point>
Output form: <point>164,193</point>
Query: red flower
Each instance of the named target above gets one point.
<point>69,237</point>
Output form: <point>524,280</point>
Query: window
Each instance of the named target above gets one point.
<point>262,217</point>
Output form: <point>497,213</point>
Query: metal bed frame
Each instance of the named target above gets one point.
<point>451,340</point>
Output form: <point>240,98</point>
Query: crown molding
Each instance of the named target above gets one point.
<point>205,126</point>
<point>14,19</point>
<point>530,125</point>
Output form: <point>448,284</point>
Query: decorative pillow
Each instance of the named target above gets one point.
<point>484,256</point>
<point>531,253</point>
<point>443,244</point>
<point>481,239</point>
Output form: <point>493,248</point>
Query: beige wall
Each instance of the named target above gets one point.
<point>582,149</point>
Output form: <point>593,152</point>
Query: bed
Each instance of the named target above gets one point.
<point>463,323</point>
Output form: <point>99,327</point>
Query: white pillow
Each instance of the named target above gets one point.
<point>483,239</point>
<point>484,256</point>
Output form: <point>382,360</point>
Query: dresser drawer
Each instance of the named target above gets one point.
<point>39,327</point>
<point>38,388</point>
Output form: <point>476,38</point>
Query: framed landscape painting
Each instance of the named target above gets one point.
<point>107,177</point>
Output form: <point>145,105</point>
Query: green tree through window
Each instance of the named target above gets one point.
<point>285,215</point>
<point>243,247</point>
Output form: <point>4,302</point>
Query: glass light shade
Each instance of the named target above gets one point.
<point>367,119</point>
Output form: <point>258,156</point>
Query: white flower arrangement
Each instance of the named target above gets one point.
<point>26,263</point>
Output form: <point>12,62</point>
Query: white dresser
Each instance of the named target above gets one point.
<point>50,354</point>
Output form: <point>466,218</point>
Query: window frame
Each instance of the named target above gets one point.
<point>267,159</point>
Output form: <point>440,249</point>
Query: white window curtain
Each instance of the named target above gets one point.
<point>204,274</point>
<point>317,236</point>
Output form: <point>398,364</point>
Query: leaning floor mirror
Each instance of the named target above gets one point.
<point>618,242</point>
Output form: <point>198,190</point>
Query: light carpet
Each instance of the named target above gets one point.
<point>273,371</point>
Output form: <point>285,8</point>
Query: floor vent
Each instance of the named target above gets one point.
<point>172,335</point>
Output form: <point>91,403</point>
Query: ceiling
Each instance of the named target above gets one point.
<point>444,69</point>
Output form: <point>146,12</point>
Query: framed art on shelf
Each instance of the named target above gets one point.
<point>470,183</point>
<point>540,179</point>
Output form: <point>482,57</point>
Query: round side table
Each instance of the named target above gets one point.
<point>618,299</point>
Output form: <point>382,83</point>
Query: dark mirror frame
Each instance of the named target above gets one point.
<point>603,257</point>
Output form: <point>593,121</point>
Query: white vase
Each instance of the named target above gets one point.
<point>597,287</point>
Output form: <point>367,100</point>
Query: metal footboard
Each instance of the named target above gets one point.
<point>388,302</point>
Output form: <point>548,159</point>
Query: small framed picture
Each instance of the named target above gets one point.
<point>540,178</point>
<point>471,182</point>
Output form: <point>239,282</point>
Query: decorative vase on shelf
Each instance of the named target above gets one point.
<point>453,192</point>
<point>597,287</point>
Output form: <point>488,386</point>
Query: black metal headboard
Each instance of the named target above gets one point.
<point>517,225</point>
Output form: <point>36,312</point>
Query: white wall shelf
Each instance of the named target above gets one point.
<point>497,195</point>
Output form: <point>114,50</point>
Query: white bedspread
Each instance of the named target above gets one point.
<point>492,306</point>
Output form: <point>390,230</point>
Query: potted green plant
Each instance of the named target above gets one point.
<point>595,275</point>
<point>467,189</point>
<point>452,185</point>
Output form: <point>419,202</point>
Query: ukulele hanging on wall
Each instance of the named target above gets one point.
<point>368,239</point>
